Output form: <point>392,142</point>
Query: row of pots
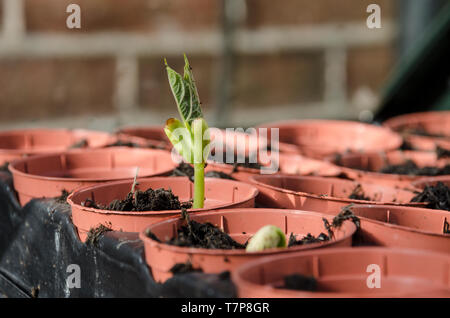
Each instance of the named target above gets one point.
<point>47,175</point>
<point>312,138</point>
<point>16,144</point>
<point>382,225</point>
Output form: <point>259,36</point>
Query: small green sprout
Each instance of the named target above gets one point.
<point>268,236</point>
<point>190,137</point>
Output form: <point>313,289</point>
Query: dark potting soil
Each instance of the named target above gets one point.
<point>186,170</point>
<point>122,143</point>
<point>208,236</point>
<point>420,131</point>
<point>308,239</point>
<point>63,197</point>
<point>437,196</point>
<point>442,152</point>
<point>406,145</point>
<point>205,235</point>
<point>345,214</point>
<point>95,233</point>
<point>358,194</point>
<point>83,143</point>
<point>299,282</point>
<point>148,200</point>
<point>410,168</point>
<point>238,161</point>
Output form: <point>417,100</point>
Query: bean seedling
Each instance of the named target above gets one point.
<point>190,136</point>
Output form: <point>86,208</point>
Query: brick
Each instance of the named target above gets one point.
<point>368,67</point>
<point>44,88</point>
<point>123,15</point>
<point>294,12</point>
<point>286,78</point>
<point>154,90</point>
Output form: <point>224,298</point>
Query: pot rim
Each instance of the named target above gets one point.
<point>435,179</point>
<point>55,130</point>
<point>402,227</point>
<point>254,179</point>
<point>393,176</point>
<point>12,166</point>
<point>286,156</point>
<point>416,117</point>
<point>147,213</point>
<point>350,226</point>
<point>325,122</point>
<point>352,251</point>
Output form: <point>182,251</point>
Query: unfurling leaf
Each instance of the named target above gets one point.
<point>268,236</point>
<point>181,138</point>
<point>185,93</point>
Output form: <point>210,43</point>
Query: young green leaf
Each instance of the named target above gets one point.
<point>185,93</point>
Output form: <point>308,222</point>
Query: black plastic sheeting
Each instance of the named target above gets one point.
<point>38,243</point>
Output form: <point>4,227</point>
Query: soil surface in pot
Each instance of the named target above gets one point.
<point>442,152</point>
<point>411,168</point>
<point>124,143</point>
<point>420,132</point>
<point>299,282</point>
<point>83,143</point>
<point>186,170</point>
<point>237,161</point>
<point>138,201</point>
<point>358,194</point>
<point>208,236</point>
<point>437,196</point>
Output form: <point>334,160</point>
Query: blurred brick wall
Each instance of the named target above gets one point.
<point>290,59</point>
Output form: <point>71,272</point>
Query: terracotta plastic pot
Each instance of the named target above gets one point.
<point>326,195</point>
<point>238,141</point>
<point>288,164</point>
<point>154,134</point>
<point>219,193</point>
<point>15,144</point>
<point>322,138</point>
<point>421,183</point>
<point>365,167</point>
<point>240,224</point>
<point>434,123</point>
<point>47,175</point>
<point>139,142</point>
<point>400,226</point>
<point>426,143</point>
<point>345,273</point>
